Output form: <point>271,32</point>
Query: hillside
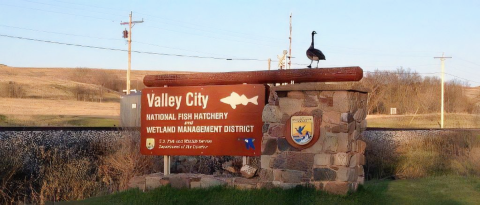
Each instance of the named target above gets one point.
<point>90,97</point>
<point>39,96</point>
<point>60,83</point>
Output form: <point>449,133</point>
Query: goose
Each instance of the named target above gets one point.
<point>314,54</point>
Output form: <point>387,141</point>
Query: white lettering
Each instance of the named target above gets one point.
<point>238,128</point>
<point>166,129</point>
<point>150,99</point>
<point>169,116</point>
<point>204,100</point>
<point>187,99</point>
<point>178,100</point>
<point>197,99</point>
<point>163,100</point>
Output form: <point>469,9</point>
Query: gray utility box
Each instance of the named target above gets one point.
<point>130,110</point>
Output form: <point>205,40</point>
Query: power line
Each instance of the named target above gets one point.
<point>169,19</point>
<point>60,12</point>
<point>88,10</point>
<point>123,50</point>
<point>244,36</point>
<point>146,26</point>
<point>66,34</point>
<point>434,73</point>
<point>216,38</point>
<point>102,38</point>
<point>396,73</point>
<point>385,65</point>
<point>116,21</point>
<point>250,35</point>
<point>162,18</point>
<point>462,78</point>
<point>74,3</point>
<point>190,56</point>
<point>156,45</point>
<point>469,61</point>
<point>277,40</point>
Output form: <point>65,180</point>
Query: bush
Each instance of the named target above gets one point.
<point>411,93</point>
<point>33,173</point>
<point>13,184</point>
<point>40,167</point>
<point>414,154</point>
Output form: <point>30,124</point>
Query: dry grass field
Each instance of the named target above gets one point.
<point>63,96</point>
<point>452,120</point>
<point>28,106</point>
<point>58,83</point>
<point>50,97</point>
<point>41,112</point>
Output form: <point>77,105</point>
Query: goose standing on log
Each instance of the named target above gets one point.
<point>314,54</point>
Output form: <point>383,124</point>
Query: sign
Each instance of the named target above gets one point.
<point>302,129</point>
<point>202,120</point>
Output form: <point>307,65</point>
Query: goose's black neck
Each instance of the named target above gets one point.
<point>312,39</point>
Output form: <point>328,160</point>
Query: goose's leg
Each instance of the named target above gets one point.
<point>317,63</point>
<point>310,66</point>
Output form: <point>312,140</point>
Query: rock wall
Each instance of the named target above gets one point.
<point>333,161</point>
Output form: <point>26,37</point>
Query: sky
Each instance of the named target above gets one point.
<point>375,35</point>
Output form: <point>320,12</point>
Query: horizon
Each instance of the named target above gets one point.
<point>373,35</point>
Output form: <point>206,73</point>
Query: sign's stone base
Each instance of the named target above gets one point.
<point>333,162</point>
<point>152,181</point>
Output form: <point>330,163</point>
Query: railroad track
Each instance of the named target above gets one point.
<point>2,129</point>
<point>414,129</point>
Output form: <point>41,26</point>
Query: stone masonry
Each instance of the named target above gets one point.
<point>334,163</point>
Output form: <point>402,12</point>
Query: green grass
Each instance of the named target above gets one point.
<point>452,120</point>
<point>58,121</point>
<point>93,122</point>
<point>3,120</point>
<point>430,190</point>
<point>435,190</point>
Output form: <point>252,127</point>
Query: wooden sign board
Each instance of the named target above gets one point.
<point>202,120</point>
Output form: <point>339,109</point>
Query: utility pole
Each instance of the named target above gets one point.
<point>442,59</point>
<point>129,36</point>
<point>269,62</point>
<point>290,47</point>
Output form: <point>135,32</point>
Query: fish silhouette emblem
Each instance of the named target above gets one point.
<point>235,99</point>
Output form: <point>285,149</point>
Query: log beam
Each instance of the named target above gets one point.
<point>339,74</point>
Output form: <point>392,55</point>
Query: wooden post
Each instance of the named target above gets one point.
<point>442,59</point>
<point>166,165</point>
<point>129,39</point>
<point>166,160</point>
<point>129,53</point>
<point>290,47</point>
<point>245,160</point>
<point>269,62</point>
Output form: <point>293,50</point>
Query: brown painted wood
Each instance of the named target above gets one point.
<point>179,131</point>
<point>256,77</point>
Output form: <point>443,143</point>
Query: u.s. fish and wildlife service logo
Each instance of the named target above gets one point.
<point>150,143</point>
<point>302,129</point>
